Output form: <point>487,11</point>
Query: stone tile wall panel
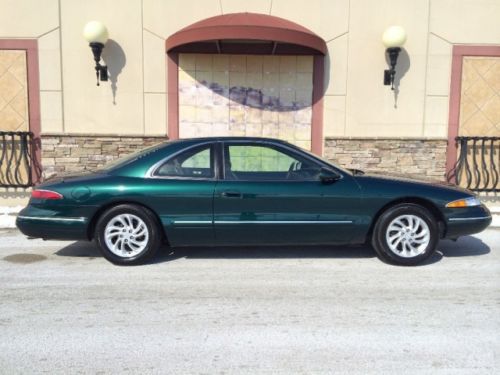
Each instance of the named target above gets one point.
<point>421,158</point>
<point>68,154</point>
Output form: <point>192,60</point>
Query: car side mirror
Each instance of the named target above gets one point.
<point>328,176</point>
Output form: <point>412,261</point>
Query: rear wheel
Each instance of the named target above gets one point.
<point>128,234</point>
<point>405,234</point>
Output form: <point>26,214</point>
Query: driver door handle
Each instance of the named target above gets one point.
<point>231,194</point>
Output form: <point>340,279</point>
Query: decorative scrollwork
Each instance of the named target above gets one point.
<point>478,164</point>
<point>17,165</point>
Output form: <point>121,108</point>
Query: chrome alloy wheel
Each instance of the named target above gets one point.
<point>126,235</point>
<point>408,236</point>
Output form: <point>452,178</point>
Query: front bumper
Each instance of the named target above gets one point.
<point>466,221</point>
<point>50,224</point>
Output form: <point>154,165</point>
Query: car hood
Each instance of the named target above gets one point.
<point>422,181</point>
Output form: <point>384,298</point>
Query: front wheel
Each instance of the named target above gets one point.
<point>128,234</point>
<point>405,234</point>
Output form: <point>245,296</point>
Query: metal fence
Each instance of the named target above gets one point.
<point>17,163</point>
<point>478,164</point>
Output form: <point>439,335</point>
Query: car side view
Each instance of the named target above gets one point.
<point>246,191</point>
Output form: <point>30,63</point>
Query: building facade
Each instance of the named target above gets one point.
<point>310,72</point>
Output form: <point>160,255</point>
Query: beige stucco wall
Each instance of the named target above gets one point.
<point>356,102</point>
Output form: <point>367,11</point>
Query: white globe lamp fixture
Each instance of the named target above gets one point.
<point>394,37</point>
<point>97,35</point>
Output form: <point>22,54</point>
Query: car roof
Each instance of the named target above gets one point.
<point>157,153</point>
<point>231,138</point>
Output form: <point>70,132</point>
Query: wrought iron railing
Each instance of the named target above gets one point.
<point>17,159</point>
<point>478,164</point>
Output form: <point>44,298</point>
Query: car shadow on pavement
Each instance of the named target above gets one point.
<point>273,252</point>
<point>84,249</point>
<point>464,247</point>
<point>166,254</point>
<point>467,246</point>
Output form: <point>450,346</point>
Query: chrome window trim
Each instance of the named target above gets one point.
<point>219,164</point>
<point>150,172</point>
<point>51,218</point>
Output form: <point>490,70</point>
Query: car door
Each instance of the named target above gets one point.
<point>181,192</point>
<point>272,194</point>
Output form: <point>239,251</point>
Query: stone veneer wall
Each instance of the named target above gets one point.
<point>424,158</point>
<point>413,157</point>
<point>76,153</point>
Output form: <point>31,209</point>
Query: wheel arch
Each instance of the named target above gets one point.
<point>104,208</point>
<point>426,203</point>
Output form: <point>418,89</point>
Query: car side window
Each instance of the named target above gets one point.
<point>197,162</point>
<point>266,163</point>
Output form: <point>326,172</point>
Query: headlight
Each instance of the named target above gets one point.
<point>467,202</point>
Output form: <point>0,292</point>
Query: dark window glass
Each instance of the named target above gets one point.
<point>261,163</point>
<point>194,163</point>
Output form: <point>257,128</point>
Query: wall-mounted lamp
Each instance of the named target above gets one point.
<point>97,35</point>
<point>393,38</point>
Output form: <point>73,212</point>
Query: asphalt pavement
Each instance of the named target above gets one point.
<point>64,309</point>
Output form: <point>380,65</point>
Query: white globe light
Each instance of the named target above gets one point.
<point>394,36</point>
<point>95,32</point>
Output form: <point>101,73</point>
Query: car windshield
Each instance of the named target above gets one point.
<point>116,163</point>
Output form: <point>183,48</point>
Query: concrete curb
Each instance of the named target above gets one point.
<point>495,214</point>
<point>8,216</point>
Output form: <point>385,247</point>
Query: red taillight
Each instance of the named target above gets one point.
<point>45,194</point>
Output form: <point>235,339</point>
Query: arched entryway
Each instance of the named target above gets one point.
<point>246,74</point>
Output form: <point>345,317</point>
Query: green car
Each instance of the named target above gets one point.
<point>246,191</point>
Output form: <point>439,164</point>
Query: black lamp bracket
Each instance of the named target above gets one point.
<point>390,73</point>
<point>101,71</point>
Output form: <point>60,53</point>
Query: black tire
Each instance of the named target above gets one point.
<point>153,241</point>
<point>380,243</point>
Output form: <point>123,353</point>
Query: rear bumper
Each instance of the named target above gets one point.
<point>466,221</point>
<point>48,224</point>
